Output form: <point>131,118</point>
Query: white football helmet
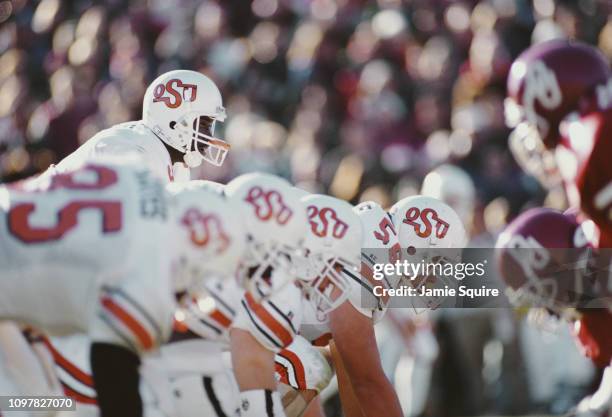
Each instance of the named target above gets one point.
<point>425,222</point>
<point>209,234</point>
<point>182,108</point>
<point>333,245</point>
<point>430,232</point>
<point>453,186</point>
<point>275,222</point>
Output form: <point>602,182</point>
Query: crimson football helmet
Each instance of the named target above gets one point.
<point>545,84</point>
<point>546,260</point>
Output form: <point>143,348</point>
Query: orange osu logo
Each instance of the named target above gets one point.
<point>321,220</point>
<point>269,205</point>
<point>174,92</point>
<point>424,227</point>
<point>205,229</point>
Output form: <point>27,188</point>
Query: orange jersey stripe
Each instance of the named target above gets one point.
<point>300,375</point>
<point>136,328</point>
<point>68,366</point>
<point>179,326</point>
<point>218,316</point>
<point>269,320</point>
<point>282,371</point>
<point>322,340</point>
<point>78,397</point>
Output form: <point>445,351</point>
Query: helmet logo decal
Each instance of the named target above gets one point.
<point>269,205</point>
<point>384,236</point>
<point>541,85</point>
<point>385,225</point>
<point>424,228</point>
<point>206,228</point>
<point>174,98</point>
<point>536,258</point>
<point>320,219</point>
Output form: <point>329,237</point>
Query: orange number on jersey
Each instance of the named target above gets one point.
<point>67,216</point>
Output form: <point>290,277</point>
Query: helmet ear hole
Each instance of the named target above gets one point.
<point>172,124</point>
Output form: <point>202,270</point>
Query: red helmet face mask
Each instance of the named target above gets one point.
<point>545,84</point>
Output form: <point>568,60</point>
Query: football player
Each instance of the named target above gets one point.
<point>270,310</point>
<point>546,260</point>
<point>348,329</point>
<point>104,249</point>
<point>559,103</point>
<point>180,111</point>
<point>264,320</point>
<point>303,368</point>
<point>189,376</point>
<point>560,106</point>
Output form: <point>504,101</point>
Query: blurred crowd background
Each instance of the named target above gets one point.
<point>353,98</point>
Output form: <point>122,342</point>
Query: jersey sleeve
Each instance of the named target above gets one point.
<point>302,366</point>
<point>126,141</point>
<point>137,310</point>
<point>137,318</point>
<point>209,315</point>
<point>274,322</point>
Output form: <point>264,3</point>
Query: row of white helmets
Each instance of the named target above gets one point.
<point>267,233</point>
<point>266,224</point>
<point>182,108</point>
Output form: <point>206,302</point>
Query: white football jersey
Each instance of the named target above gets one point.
<point>65,237</point>
<point>124,139</point>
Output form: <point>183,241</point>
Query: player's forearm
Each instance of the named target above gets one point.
<point>253,364</point>
<point>377,398</point>
<point>348,398</point>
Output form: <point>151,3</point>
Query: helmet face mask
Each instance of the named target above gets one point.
<point>434,260</point>
<point>532,156</point>
<point>203,146</point>
<point>526,142</point>
<point>328,289</point>
<point>333,248</point>
<point>275,222</point>
<point>266,268</point>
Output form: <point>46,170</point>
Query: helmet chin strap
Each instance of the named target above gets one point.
<point>192,159</point>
